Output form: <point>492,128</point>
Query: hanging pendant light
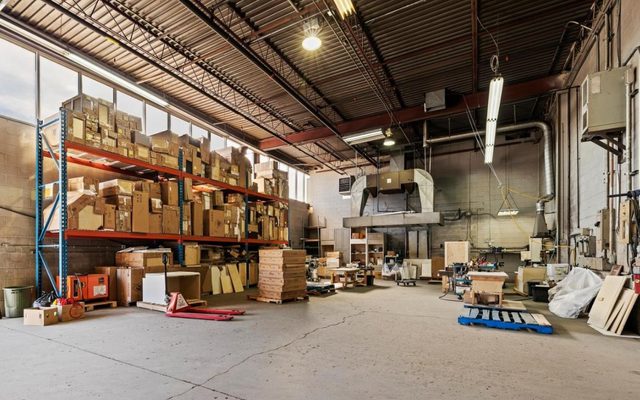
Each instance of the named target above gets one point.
<point>311,41</point>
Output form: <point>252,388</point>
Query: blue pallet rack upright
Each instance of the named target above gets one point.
<point>59,205</point>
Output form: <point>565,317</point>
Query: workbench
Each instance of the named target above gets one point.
<point>345,276</point>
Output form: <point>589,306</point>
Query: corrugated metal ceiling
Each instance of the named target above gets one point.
<point>424,45</point>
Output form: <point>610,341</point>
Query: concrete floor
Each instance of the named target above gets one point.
<point>386,342</point>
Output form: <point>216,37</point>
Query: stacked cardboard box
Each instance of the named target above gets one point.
<point>84,211</point>
<point>281,274</point>
<point>165,148</point>
<point>269,221</point>
<point>271,180</point>
<point>191,153</point>
<point>240,167</point>
<point>118,196</point>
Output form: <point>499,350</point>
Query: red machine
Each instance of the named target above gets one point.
<point>179,308</point>
<point>636,279</point>
<point>86,287</point>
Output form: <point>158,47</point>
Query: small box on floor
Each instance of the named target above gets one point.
<point>41,316</point>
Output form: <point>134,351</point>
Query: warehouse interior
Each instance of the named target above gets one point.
<point>344,199</point>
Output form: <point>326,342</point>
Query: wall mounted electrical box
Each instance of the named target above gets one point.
<point>602,99</point>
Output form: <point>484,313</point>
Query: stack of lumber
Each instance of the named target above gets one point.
<point>281,274</point>
<point>612,306</point>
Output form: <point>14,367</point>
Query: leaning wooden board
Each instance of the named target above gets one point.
<point>216,285</point>
<point>235,277</point>
<point>606,300</point>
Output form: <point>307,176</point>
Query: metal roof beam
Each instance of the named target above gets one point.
<point>511,93</point>
<point>218,26</point>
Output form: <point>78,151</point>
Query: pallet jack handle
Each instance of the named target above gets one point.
<point>165,261</point>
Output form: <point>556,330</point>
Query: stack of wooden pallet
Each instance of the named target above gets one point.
<point>281,274</point>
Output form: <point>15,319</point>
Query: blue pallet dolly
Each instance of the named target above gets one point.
<point>510,320</point>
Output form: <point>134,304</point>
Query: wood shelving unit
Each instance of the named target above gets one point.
<point>368,248</point>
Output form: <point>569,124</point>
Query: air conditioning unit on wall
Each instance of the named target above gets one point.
<point>602,100</point>
<point>344,185</point>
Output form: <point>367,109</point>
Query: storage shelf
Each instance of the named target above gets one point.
<point>93,157</point>
<point>79,233</point>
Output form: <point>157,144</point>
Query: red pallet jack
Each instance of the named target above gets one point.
<point>179,308</point>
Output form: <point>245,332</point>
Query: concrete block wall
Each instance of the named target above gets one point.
<point>17,210</point>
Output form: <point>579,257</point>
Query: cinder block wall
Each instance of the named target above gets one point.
<point>462,181</point>
<point>17,210</point>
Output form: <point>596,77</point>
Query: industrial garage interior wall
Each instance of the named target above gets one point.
<point>17,208</point>
<point>462,181</point>
<point>586,170</point>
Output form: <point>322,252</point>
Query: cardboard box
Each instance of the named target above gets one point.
<point>69,312</point>
<point>123,221</point>
<point>191,253</point>
<point>109,217</point>
<point>122,202</point>
<point>155,206</point>
<point>170,219</point>
<point>41,316</point>
<point>155,223</point>
<point>214,223</point>
<point>129,285</point>
<point>217,198</point>
<point>140,215</point>
<point>155,191</point>
<point>169,191</point>
<point>116,187</point>
<point>141,257</point>
<point>186,220</point>
<point>197,216</point>
<point>188,191</point>
<point>141,153</point>
<point>83,183</point>
<point>81,213</point>
<point>153,286</point>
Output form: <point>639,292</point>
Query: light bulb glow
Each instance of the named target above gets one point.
<point>311,43</point>
<point>388,142</point>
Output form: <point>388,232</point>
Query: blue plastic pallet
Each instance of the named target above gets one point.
<point>512,320</point>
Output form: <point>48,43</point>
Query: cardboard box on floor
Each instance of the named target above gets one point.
<point>70,312</point>
<point>153,286</point>
<point>129,285</point>
<point>40,316</point>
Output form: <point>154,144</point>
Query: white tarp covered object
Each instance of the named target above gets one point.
<point>574,293</point>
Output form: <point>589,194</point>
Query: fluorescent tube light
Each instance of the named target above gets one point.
<point>493,108</point>
<point>345,7</point>
<point>366,136</point>
<point>85,63</point>
<point>507,213</point>
<point>3,4</point>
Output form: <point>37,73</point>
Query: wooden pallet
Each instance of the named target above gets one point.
<point>163,307</point>
<point>406,282</point>
<point>100,304</point>
<point>510,320</point>
<point>278,301</point>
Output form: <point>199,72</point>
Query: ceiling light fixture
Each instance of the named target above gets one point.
<point>311,28</point>
<point>388,142</point>
<point>345,7</point>
<point>364,137</point>
<point>493,108</point>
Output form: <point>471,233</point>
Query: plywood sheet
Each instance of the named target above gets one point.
<point>606,300</point>
<point>225,280</point>
<point>626,311</point>
<point>235,277</point>
<point>456,252</point>
<point>216,285</point>
<point>616,310</point>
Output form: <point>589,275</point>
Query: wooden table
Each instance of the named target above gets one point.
<point>348,276</point>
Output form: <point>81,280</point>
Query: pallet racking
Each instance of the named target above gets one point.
<point>66,152</point>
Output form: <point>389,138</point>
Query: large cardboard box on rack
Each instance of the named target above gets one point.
<point>109,217</point>
<point>41,316</point>
<point>83,183</point>
<point>214,223</point>
<point>170,220</point>
<point>141,257</point>
<point>169,190</point>
<point>122,202</point>
<point>81,212</point>
<point>123,221</point>
<point>140,215</point>
<point>155,223</point>
<point>115,187</point>
<point>197,216</point>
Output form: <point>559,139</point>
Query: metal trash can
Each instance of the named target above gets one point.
<point>16,299</point>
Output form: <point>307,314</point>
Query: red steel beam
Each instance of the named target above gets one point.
<point>511,93</point>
